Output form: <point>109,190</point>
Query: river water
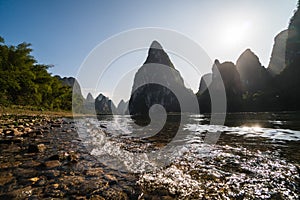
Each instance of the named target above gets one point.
<point>256,155</point>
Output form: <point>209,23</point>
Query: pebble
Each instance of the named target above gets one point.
<point>51,164</point>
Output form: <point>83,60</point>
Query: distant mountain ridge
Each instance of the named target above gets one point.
<point>249,86</point>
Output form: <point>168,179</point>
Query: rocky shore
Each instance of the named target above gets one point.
<point>43,158</point>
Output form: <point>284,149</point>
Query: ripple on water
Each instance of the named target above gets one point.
<point>205,171</point>
<point>228,173</point>
<point>255,131</point>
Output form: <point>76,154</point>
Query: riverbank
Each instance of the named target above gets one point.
<point>32,111</point>
<point>41,157</point>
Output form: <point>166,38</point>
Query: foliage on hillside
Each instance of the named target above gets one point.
<point>23,81</point>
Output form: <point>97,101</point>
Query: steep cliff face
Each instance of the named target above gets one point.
<point>277,60</point>
<point>253,75</point>
<point>205,81</point>
<point>230,78</point>
<point>157,82</point>
<point>103,105</point>
<point>288,80</point>
<point>293,40</point>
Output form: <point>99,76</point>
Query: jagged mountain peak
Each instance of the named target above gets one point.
<point>217,62</point>
<point>248,59</point>
<point>156,54</point>
<point>248,52</point>
<point>89,97</point>
<point>155,45</point>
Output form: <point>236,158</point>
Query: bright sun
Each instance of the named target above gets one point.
<point>234,33</point>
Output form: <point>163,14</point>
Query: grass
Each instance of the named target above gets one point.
<point>31,111</point>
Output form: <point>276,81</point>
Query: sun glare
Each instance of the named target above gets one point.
<point>235,33</point>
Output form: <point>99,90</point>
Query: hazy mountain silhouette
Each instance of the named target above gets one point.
<point>253,75</point>
<point>277,60</point>
<point>249,86</point>
<point>122,107</point>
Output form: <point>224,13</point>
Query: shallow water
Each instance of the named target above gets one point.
<point>256,156</point>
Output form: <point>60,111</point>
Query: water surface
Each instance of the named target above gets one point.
<point>256,156</point>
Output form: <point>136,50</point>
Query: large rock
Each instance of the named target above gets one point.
<point>253,75</point>
<point>158,82</point>
<point>277,60</point>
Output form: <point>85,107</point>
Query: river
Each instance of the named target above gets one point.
<point>254,155</point>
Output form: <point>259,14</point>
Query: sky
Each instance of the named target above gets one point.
<point>64,32</point>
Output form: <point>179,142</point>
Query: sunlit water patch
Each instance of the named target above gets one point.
<point>246,131</point>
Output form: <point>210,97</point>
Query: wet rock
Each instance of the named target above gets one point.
<point>33,148</point>
<point>11,141</point>
<point>30,164</point>
<point>17,132</point>
<point>5,178</point>
<point>42,181</point>
<point>51,164</point>
<point>56,125</point>
<point>12,148</point>
<point>72,156</point>
<point>102,126</point>
<point>110,178</point>
<point>94,172</point>
<point>51,173</point>
<point>54,157</point>
<point>27,129</point>
<point>21,126</point>
<point>34,179</point>
<point>8,131</point>
<point>22,193</point>
<point>25,173</point>
<point>33,133</point>
<point>97,197</point>
<point>113,193</point>
<point>10,164</point>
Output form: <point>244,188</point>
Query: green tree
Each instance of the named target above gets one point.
<point>25,82</point>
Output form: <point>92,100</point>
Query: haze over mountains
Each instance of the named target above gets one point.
<point>249,86</point>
